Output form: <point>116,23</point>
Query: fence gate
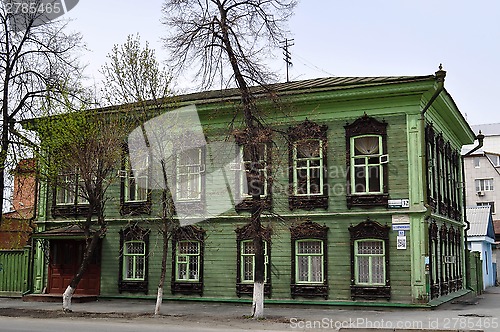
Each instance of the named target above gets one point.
<point>14,266</point>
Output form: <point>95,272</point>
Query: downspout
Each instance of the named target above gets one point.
<point>33,219</point>
<point>439,87</point>
<point>480,138</point>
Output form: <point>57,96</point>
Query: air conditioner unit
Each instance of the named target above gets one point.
<point>480,193</point>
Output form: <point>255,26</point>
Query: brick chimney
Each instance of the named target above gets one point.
<point>23,196</point>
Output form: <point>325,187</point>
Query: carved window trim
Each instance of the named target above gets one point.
<point>132,208</point>
<point>245,234</point>
<point>188,233</point>
<point>305,131</point>
<point>134,233</point>
<point>364,231</point>
<point>363,126</point>
<point>309,230</point>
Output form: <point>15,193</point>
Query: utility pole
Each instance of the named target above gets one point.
<point>287,43</point>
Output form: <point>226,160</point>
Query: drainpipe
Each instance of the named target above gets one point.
<point>480,139</point>
<point>439,87</point>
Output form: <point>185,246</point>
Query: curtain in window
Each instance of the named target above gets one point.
<point>366,145</point>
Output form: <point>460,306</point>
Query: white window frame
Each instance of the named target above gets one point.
<point>357,255</point>
<point>133,258</point>
<point>382,158</point>
<point>193,172</point>
<point>68,190</point>
<point>252,255</point>
<point>185,259</point>
<point>246,169</point>
<point>489,203</point>
<point>484,184</point>
<point>308,169</point>
<point>138,176</point>
<point>309,262</point>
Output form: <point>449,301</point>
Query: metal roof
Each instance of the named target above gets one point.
<point>481,222</point>
<point>489,129</point>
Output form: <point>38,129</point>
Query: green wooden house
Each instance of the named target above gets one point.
<point>362,194</point>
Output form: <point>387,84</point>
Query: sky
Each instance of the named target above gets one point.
<point>344,38</point>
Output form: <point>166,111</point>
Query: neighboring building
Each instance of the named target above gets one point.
<point>482,177</point>
<point>364,215</point>
<point>481,238</point>
<point>17,224</point>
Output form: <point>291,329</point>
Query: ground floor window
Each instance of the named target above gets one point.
<point>370,260</point>
<point>133,277</point>
<point>309,260</point>
<point>187,260</point>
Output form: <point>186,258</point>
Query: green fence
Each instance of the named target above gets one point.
<point>14,267</point>
<point>476,272</point>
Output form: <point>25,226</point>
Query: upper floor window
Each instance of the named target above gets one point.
<point>69,196</point>
<point>307,158</point>
<point>253,177</point>
<point>245,183</point>
<point>477,162</point>
<point>370,260</point>
<point>366,142</point>
<point>190,167</point>
<point>133,277</point>
<point>135,197</point>
<point>136,181</point>
<point>484,185</point>
<point>308,167</point>
<point>367,159</point>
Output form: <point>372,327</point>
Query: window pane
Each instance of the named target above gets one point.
<point>248,268</point>
<point>193,267</point>
<point>129,267</point>
<point>363,269</point>
<point>359,179</point>
<point>374,178</point>
<point>303,268</point>
<point>182,271</point>
<point>370,247</point>
<point>366,145</point>
<point>309,247</point>
<point>378,270</point>
<point>316,269</point>
<point>308,149</point>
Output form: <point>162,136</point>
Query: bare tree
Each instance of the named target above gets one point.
<point>228,41</point>
<point>84,154</point>
<point>37,61</point>
<point>133,75</point>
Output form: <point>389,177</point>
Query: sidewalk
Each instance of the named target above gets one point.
<point>480,313</point>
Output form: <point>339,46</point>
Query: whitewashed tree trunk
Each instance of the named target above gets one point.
<point>258,300</point>
<point>159,300</point>
<point>67,296</point>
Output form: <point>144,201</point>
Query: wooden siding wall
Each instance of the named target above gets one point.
<point>14,266</point>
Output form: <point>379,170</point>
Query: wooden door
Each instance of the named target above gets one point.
<point>65,258</point>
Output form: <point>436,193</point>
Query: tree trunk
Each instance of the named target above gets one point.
<point>161,283</point>
<point>70,290</point>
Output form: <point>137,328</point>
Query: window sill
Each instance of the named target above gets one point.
<point>187,288</point>
<point>135,208</point>
<point>309,290</point>
<point>133,286</point>
<point>308,202</point>
<point>247,289</point>
<point>70,210</point>
<point>247,204</point>
<point>370,292</point>
<point>368,200</point>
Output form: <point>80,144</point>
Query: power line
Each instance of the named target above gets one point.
<point>313,65</point>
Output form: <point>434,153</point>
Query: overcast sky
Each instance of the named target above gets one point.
<point>347,38</point>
